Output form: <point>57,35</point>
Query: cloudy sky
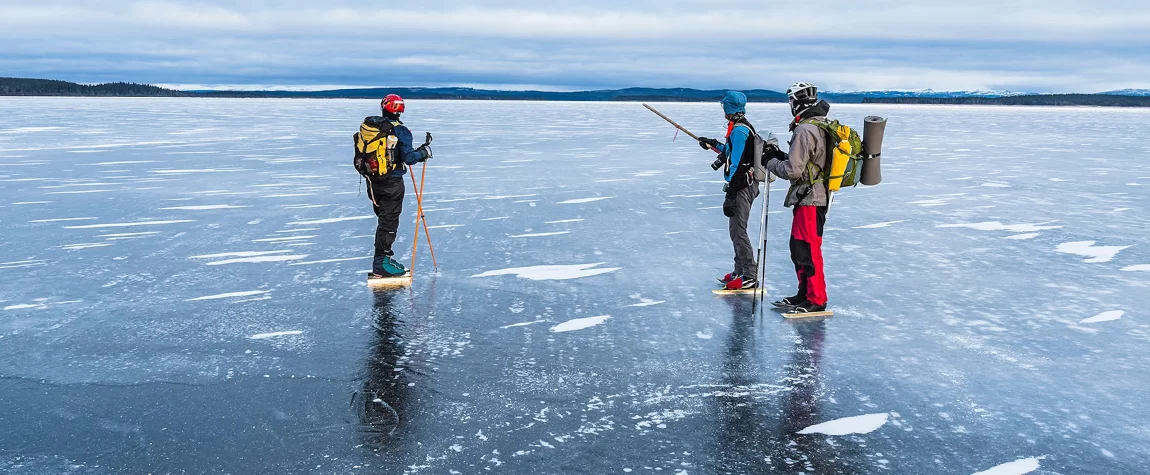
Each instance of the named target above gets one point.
<point>1033,46</point>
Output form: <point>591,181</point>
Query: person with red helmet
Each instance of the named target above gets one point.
<point>383,150</point>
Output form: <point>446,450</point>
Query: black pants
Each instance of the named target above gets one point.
<point>737,227</point>
<point>387,202</point>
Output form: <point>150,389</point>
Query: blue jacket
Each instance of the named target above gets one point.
<point>405,150</point>
<point>733,149</point>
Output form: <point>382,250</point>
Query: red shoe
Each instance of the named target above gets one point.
<point>736,283</point>
<point>727,278</point>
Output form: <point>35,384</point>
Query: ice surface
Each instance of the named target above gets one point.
<point>956,314</point>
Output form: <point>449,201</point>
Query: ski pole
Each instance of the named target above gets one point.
<point>423,219</point>
<point>677,126</point>
<point>419,199</point>
<point>765,234</point>
<point>418,218</point>
<point>760,273</point>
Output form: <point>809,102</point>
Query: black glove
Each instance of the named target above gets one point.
<point>708,144</point>
<point>729,207</point>
<point>424,152</point>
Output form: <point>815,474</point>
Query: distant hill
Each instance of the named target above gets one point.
<point>50,87</point>
<point>1129,92</point>
<point>1105,100</point>
<point>634,94</point>
<point>1124,98</point>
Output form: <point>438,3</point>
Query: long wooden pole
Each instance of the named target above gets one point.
<point>426,230</point>
<point>418,218</point>
<point>677,126</point>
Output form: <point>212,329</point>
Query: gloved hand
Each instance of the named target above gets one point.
<point>424,152</point>
<point>708,144</point>
<point>729,207</point>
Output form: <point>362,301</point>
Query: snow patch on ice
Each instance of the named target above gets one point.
<point>237,254</point>
<point>579,323</point>
<point>329,220</point>
<point>576,220</point>
<point>261,336</point>
<point>56,220</point>
<point>1105,317</point>
<point>646,303</point>
<point>997,226</point>
<point>203,207</point>
<point>555,233</point>
<point>1088,249</point>
<point>229,295</point>
<point>552,272</point>
<point>290,257</point>
<point>326,261</point>
<point>880,225</point>
<point>521,324</point>
<point>286,238</point>
<point>584,200</point>
<point>1137,268</point>
<point>1017,467</point>
<point>445,226</point>
<point>1020,237</point>
<point>125,225</point>
<point>86,245</point>
<point>863,424</point>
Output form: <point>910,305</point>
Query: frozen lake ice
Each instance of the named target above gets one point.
<point>182,290</point>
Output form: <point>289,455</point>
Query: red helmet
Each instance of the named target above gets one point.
<point>392,104</point>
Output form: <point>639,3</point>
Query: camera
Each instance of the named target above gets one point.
<point>719,162</point>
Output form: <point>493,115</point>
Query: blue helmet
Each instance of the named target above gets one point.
<point>734,102</point>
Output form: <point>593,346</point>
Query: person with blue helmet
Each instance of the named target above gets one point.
<point>741,189</point>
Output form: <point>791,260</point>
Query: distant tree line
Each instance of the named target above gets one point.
<point>1104,100</point>
<point>50,87</point>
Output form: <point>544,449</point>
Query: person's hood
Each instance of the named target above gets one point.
<point>734,102</point>
<point>820,109</point>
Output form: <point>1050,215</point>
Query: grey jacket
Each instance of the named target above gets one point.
<point>808,143</point>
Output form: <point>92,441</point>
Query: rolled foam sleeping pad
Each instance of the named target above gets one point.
<point>873,128</point>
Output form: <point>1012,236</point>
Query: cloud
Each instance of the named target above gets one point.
<point>1053,46</point>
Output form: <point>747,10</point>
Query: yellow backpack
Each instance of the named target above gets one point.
<point>375,146</point>
<point>844,155</point>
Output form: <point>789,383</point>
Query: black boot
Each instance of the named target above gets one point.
<point>808,307</point>
<point>790,302</point>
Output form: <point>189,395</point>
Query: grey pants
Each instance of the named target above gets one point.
<point>744,252</point>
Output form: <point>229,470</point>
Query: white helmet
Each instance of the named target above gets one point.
<point>802,95</point>
<point>803,92</point>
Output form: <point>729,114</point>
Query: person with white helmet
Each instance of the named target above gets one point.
<point>384,149</point>
<point>808,194</point>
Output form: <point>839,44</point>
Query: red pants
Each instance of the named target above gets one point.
<point>807,252</point>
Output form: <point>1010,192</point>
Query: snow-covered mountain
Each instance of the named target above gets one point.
<point>927,93</point>
<point>1129,92</point>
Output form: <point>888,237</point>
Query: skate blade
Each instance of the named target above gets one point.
<point>390,282</point>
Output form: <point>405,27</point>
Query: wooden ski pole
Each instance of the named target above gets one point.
<point>677,126</point>
<point>419,199</point>
<point>415,240</point>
